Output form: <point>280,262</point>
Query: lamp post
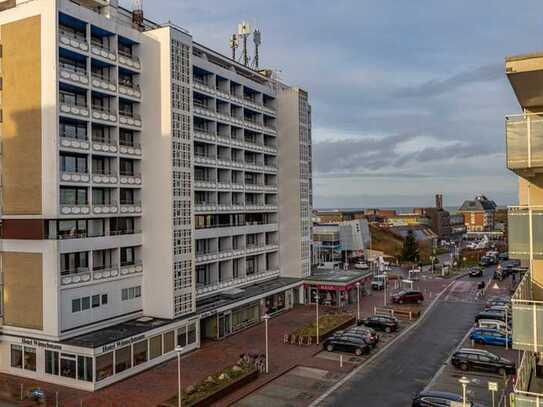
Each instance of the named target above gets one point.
<point>266,319</point>
<point>357,301</point>
<point>464,381</point>
<point>385,287</point>
<point>179,350</point>
<point>317,309</point>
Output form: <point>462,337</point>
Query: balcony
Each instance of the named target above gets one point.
<point>110,208</point>
<point>525,73</point>
<point>74,143</point>
<point>131,208</point>
<point>133,149</point>
<point>74,109</point>
<point>524,144</point>
<point>75,276</point>
<point>528,388</point>
<point>204,159</point>
<point>104,114</point>
<point>130,179</point>
<point>129,60</point>
<point>72,39</point>
<point>528,316</point>
<point>130,90</point>
<point>104,144</point>
<point>209,206</point>
<point>104,178</point>
<point>212,286</point>
<point>73,74</point>
<point>132,268</point>
<point>74,209</point>
<point>129,119</point>
<point>525,232</point>
<point>103,83</point>
<point>204,134</point>
<point>74,177</point>
<point>102,51</point>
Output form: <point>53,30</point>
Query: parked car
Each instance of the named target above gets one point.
<point>432,398</point>
<point>485,336</point>
<point>366,331</point>
<point>497,303</point>
<point>485,261</point>
<point>346,344</point>
<point>356,335</point>
<point>361,265</point>
<point>503,256</point>
<point>477,359</point>
<point>381,323</point>
<point>502,308</point>
<point>378,282</point>
<point>494,324</point>
<point>476,272</point>
<point>491,314</point>
<point>411,296</point>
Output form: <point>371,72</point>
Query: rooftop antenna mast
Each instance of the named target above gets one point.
<point>244,30</point>
<point>234,44</point>
<point>257,40</point>
<point>137,14</point>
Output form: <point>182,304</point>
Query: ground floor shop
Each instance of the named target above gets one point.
<point>336,288</point>
<point>98,359</point>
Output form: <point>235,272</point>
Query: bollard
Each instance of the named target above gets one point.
<point>340,360</point>
<point>56,399</point>
<point>21,391</point>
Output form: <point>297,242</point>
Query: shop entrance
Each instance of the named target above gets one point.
<point>225,324</point>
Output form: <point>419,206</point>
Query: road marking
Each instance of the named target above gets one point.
<point>336,386</point>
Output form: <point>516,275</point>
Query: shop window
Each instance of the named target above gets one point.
<point>84,368</point>
<point>155,347</point>
<point>182,336</point>
<point>123,359</point>
<point>17,356</point>
<point>29,358</point>
<point>169,342</point>
<point>51,362</point>
<point>67,365</point>
<point>191,334</point>
<point>140,352</point>
<point>104,366</point>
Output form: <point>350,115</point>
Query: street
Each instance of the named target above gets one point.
<point>395,376</point>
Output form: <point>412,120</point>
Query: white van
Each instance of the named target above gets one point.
<point>493,324</point>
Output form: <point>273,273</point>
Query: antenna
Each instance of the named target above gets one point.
<point>244,30</point>
<point>234,44</point>
<point>257,40</point>
<point>137,13</point>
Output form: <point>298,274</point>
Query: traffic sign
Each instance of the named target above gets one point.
<point>492,386</point>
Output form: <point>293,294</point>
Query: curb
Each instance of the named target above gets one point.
<point>336,386</point>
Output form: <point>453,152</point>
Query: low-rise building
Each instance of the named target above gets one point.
<point>478,214</point>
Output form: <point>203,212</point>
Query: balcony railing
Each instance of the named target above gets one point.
<point>130,118</point>
<point>525,232</point>
<point>522,395</point>
<point>527,317</point>
<point>524,136</point>
<point>130,60</point>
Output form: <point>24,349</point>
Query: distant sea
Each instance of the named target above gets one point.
<point>400,209</point>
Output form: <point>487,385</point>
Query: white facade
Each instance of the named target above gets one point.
<point>162,185</point>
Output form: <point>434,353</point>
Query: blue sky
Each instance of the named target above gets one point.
<point>409,97</point>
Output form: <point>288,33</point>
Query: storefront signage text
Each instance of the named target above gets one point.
<point>120,344</point>
<point>35,342</point>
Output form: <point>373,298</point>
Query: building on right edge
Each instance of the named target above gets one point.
<point>524,136</point>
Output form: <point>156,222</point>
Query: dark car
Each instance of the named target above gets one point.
<point>439,399</point>
<point>503,256</point>
<point>476,359</point>
<point>368,333</point>
<point>497,303</point>
<point>410,296</point>
<point>381,323</point>
<point>356,335</point>
<point>491,314</point>
<point>485,261</point>
<point>346,344</point>
<point>476,272</point>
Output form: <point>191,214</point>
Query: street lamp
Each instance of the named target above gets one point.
<point>357,301</point>
<point>179,350</point>
<point>464,381</point>
<point>385,287</point>
<point>317,308</point>
<point>266,319</point>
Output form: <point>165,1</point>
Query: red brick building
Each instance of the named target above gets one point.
<point>479,214</point>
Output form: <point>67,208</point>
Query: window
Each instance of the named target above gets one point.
<point>17,356</point>
<point>140,352</point>
<point>130,293</point>
<point>73,196</point>
<point>51,363</point>
<point>182,336</point>
<point>71,263</point>
<point>76,305</point>
<point>169,342</point>
<point>85,303</point>
<point>104,299</point>
<point>73,130</point>
<point>104,366</point>
<point>95,301</point>
<point>191,334</point>
<point>73,163</point>
<point>67,365</point>
<point>29,358</point>
<point>155,346</point>
<point>123,359</point>
<point>84,368</point>
<point>127,256</point>
<point>72,228</point>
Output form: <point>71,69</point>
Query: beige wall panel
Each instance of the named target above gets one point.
<point>22,117</point>
<point>23,290</point>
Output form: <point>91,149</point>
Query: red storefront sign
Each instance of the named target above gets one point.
<point>330,287</point>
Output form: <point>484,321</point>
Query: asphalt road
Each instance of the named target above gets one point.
<point>395,376</point>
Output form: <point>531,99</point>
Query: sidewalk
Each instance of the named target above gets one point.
<point>159,383</point>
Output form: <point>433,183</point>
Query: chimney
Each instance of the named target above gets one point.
<point>439,201</point>
<point>137,15</point>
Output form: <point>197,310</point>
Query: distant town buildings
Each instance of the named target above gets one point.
<point>479,214</point>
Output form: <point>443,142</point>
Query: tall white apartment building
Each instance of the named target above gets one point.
<point>153,193</point>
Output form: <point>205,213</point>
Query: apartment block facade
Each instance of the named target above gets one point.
<point>525,222</point>
<point>154,192</point>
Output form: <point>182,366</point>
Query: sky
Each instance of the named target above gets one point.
<point>408,96</point>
